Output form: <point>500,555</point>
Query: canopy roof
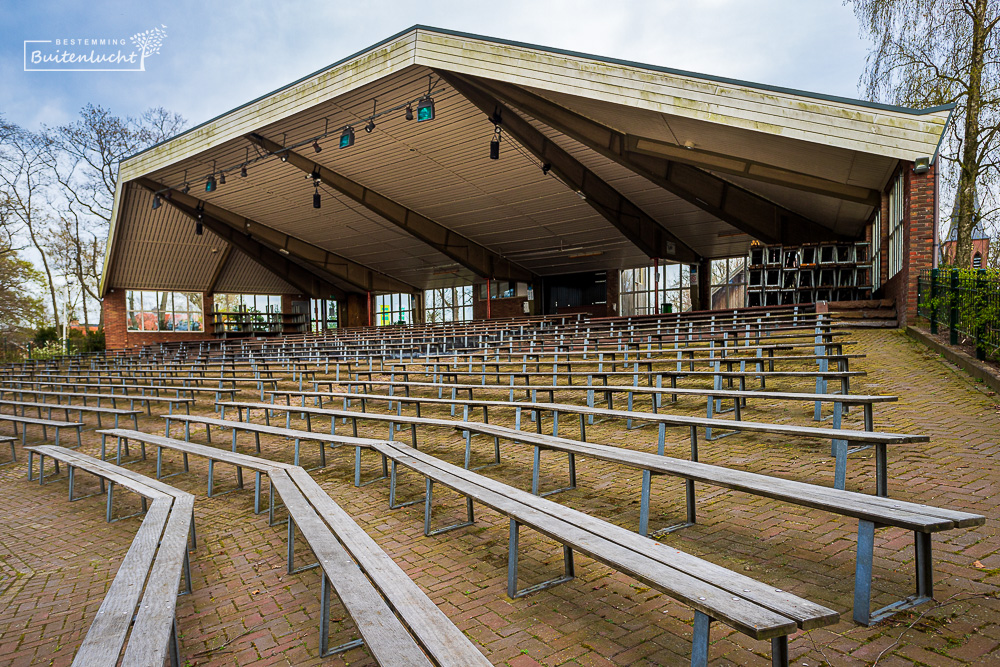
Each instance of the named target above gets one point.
<point>603,164</point>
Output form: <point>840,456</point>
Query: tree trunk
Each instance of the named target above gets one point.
<point>969,165</point>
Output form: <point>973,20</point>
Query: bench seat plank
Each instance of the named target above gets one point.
<point>149,643</point>
<point>443,640</point>
<point>384,635</point>
<point>103,643</point>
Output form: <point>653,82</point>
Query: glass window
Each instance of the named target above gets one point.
<point>393,309</point>
<point>450,304</point>
<point>163,311</point>
<point>324,314</point>
<point>503,289</point>
<point>729,283</point>
<point>877,250</point>
<point>896,217</point>
<point>639,289</point>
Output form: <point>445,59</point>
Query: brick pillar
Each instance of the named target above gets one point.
<point>918,239</point>
<point>355,311</point>
<point>704,285</point>
<point>207,306</point>
<point>115,320</point>
<point>612,288</point>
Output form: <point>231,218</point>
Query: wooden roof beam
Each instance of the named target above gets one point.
<point>745,210</point>
<point>302,278</point>
<point>634,224</point>
<point>356,275</point>
<point>477,258</point>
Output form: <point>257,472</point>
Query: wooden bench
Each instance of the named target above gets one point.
<point>213,454</point>
<point>871,511</point>
<point>739,398</point>
<point>156,389</point>
<point>840,438</point>
<point>143,594</point>
<point>758,610</point>
<point>256,429</point>
<point>171,401</point>
<point>79,409</point>
<point>398,622</point>
<point>45,424</point>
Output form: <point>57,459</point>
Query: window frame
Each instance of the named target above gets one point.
<point>147,309</point>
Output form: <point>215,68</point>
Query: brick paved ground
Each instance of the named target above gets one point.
<point>57,558</point>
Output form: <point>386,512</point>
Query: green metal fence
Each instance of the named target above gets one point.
<point>966,303</point>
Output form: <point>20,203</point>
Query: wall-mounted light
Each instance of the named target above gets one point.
<point>921,165</point>
<point>156,202</point>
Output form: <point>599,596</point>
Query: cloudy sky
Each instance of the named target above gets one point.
<point>217,55</point>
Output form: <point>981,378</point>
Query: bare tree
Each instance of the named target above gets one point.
<point>933,52</point>
<point>84,160</point>
<point>24,178</point>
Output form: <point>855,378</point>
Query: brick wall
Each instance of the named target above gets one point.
<point>510,307</point>
<point>918,242</point>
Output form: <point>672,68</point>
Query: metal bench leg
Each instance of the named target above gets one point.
<point>512,591</point>
<point>187,575</point>
<point>863,577</point>
<point>392,490</point>
<point>840,465</point>
<point>699,639</point>
<point>270,508</point>
<point>175,645</point>
<point>357,469</point>
<point>428,499</point>
<point>324,626</point>
<point>779,651</point>
<point>647,482</point>
<point>536,471</point>
<point>291,551</point>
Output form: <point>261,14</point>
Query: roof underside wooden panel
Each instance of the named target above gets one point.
<point>441,168</point>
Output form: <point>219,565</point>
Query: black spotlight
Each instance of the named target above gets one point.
<point>186,188</point>
<point>409,112</point>
<point>222,178</point>
<point>243,171</point>
<point>284,157</point>
<point>317,147</point>
<point>156,202</point>
<point>370,126</point>
<point>316,203</point>
<point>495,146</point>
<point>546,167</point>
<point>199,229</point>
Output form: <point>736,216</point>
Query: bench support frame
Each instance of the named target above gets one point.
<point>324,624</point>
<point>863,576</point>
<point>569,570</point>
<point>429,498</point>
